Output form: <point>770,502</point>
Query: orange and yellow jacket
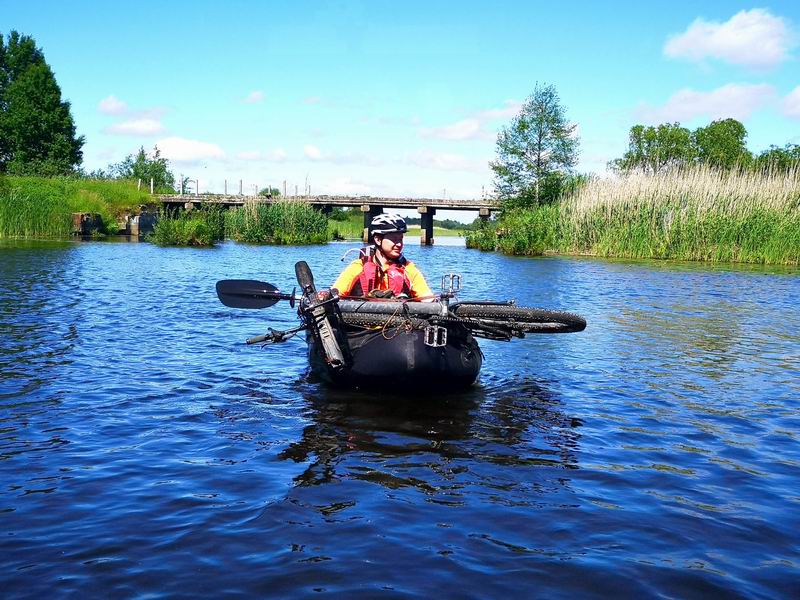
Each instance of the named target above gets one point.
<point>402,276</point>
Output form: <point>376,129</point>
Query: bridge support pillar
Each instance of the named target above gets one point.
<point>426,225</point>
<point>370,212</point>
<point>484,214</point>
<point>326,209</point>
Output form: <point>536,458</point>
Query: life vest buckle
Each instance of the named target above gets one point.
<point>435,336</point>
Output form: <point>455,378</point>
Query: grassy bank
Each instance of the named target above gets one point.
<point>692,214</point>
<point>346,225</point>
<point>42,207</point>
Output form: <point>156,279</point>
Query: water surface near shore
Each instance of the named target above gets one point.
<point>144,450</point>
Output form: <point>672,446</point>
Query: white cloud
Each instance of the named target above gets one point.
<point>141,127</point>
<point>474,126</point>
<point>466,129</point>
<point>112,106</point>
<point>312,100</point>
<point>442,161</point>
<point>752,38</point>
<point>511,109</point>
<point>347,186</point>
<point>184,150</point>
<point>277,155</point>
<point>250,155</point>
<point>312,152</point>
<point>791,103</point>
<point>737,101</point>
<point>254,97</point>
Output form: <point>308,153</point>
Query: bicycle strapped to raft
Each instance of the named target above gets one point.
<point>322,312</point>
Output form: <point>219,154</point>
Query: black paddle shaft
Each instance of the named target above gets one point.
<point>249,293</point>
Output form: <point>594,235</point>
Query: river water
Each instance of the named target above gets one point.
<point>146,451</point>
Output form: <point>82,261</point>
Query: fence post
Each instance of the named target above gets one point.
<point>152,186</point>
<point>284,188</point>
<point>138,184</point>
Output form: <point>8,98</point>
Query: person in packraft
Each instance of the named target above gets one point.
<point>381,271</point>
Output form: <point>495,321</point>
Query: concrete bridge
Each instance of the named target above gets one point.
<point>370,206</point>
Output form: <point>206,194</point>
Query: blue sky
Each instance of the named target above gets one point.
<point>402,99</point>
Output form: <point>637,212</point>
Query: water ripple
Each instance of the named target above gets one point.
<point>145,450</point>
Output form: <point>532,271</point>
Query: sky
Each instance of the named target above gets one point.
<point>401,99</point>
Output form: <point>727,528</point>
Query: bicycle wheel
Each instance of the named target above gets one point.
<point>528,320</point>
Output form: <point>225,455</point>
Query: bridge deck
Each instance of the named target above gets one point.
<point>437,203</point>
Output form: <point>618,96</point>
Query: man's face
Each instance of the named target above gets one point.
<point>391,245</point>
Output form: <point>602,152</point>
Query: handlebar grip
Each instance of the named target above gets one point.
<point>257,340</point>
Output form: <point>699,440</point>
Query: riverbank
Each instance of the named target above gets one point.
<point>43,207</point>
<point>34,207</point>
<point>693,214</point>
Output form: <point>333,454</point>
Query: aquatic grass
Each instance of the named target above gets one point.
<point>484,237</point>
<point>691,214</point>
<point>282,222</point>
<point>32,214</point>
<point>42,207</point>
<point>201,227</point>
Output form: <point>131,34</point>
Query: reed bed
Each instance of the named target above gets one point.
<point>283,222</point>
<point>42,207</point>
<point>27,216</point>
<point>691,214</point>
<point>203,227</point>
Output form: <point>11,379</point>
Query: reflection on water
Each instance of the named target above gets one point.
<point>444,429</point>
<point>145,450</point>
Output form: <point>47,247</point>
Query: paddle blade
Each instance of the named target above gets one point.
<point>247,293</point>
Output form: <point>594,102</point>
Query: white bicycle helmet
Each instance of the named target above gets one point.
<point>384,223</point>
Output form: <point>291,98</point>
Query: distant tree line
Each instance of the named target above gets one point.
<point>443,223</point>
<point>144,166</point>
<point>537,152</point>
<point>721,144</point>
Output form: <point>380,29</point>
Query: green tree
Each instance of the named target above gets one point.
<point>270,191</point>
<point>37,132</point>
<point>536,152</point>
<point>779,159</point>
<point>653,149</point>
<point>722,144</point>
<point>146,167</point>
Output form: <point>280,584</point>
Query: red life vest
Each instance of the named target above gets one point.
<point>371,275</point>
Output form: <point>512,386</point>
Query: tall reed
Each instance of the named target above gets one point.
<point>282,222</point>
<point>202,227</point>
<point>692,214</point>
<point>41,207</point>
<point>30,214</point>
